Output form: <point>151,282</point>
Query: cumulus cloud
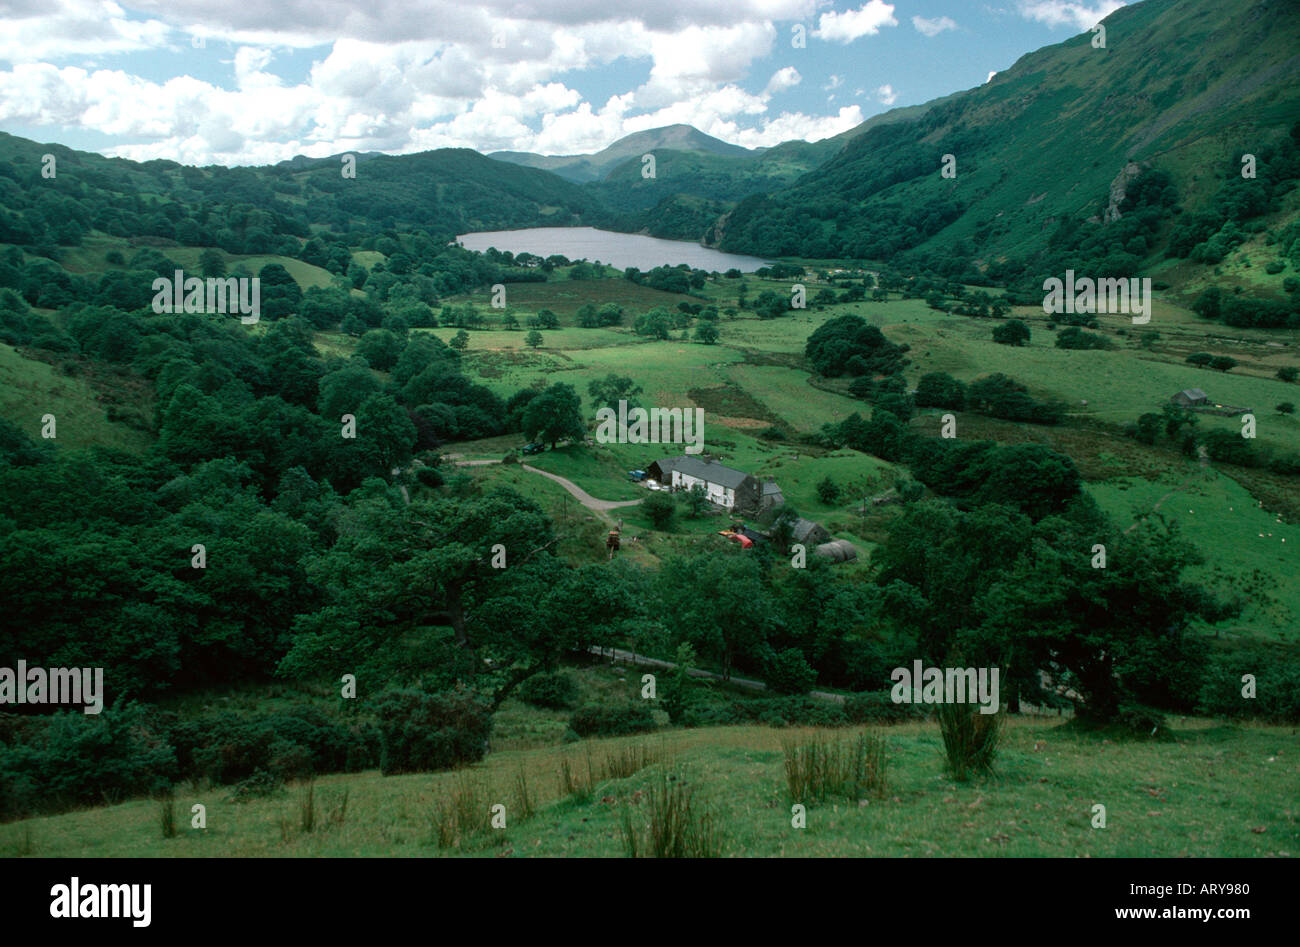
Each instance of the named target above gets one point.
<point>783,79</point>
<point>886,95</point>
<point>404,75</point>
<point>933,27</point>
<point>845,27</point>
<point>1055,13</point>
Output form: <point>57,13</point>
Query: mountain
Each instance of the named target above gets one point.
<point>1127,157</point>
<point>581,168</point>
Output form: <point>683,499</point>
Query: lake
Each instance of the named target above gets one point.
<point>617,249</point>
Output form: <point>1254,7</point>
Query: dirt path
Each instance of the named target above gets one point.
<point>600,507</point>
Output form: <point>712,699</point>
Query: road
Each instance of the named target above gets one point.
<point>618,654</point>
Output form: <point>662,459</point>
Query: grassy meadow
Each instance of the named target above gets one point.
<point>1208,789</point>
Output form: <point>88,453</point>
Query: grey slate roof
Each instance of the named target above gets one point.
<point>711,472</point>
<point>1194,394</point>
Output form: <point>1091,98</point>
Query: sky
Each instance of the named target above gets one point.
<point>237,83</point>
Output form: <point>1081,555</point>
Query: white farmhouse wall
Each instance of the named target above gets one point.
<point>722,496</point>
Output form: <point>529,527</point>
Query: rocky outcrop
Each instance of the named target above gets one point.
<point>1119,190</point>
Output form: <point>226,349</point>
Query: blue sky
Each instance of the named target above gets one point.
<point>206,81</point>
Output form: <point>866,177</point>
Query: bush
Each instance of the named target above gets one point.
<point>828,491</point>
<point>660,508</point>
<point>617,720</point>
<point>1277,685</point>
<point>1076,338</point>
<point>557,691</point>
<point>879,707</point>
<point>788,672</point>
<point>1288,373</point>
<point>80,759</point>
<point>421,732</point>
<point>1011,332</point>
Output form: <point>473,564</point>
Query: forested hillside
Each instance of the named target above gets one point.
<point>1119,160</point>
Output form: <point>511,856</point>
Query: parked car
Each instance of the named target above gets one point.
<point>534,448</point>
<point>636,476</point>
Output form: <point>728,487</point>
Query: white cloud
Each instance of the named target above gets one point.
<point>933,27</point>
<point>403,75</point>
<point>992,73</point>
<point>852,24</point>
<point>887,95</point>
<point>1068,13</point>
<point>783,79</point>
<point>833,82</point>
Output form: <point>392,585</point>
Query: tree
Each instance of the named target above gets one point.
<point>509,320</point>
<point>533,339</point>
<point>1286,407</point>
<point>1223,363</point>
<point>607,392</point>
<point>697,500</point>
<point>828,491</point>
<point>940,390</point>
<point>460,341</point>
<point>1012,332</point>
<point>380,348</point>
<point>660,509</point>
<point>1200,359</point>
<point>554,414</point>
<point>547,319</point>
<point>707,333</point>
<point>1288,373</point>
<point>212,262</point>
<point>1148,427</point>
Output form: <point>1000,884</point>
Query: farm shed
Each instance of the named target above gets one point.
<point>1190,398</point>
<point>838,550</point>
<point>810,533</point>
<point>771,496</point>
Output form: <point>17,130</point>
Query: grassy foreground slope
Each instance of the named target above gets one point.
<point>1211,790</point>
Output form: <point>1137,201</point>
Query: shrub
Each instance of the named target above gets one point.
<point>612,720</point>
<point>788,672</point>
<point>1011,332</point>
<point>1277,685</point>
<point>828,491</point>
<point>1075,338</point>
<point>660,508</point>
<point>879,707</point>
<point>420,732</point>
<point>1288,373</point>
<point>557,691</point>
<point>80,759</point>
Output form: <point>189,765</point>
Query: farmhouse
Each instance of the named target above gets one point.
<point>1191,398</point>
<point>723,485</point>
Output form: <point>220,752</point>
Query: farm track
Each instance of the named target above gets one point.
<point>600,507</point>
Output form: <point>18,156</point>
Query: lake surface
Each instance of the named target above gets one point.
<point>617,249</point>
